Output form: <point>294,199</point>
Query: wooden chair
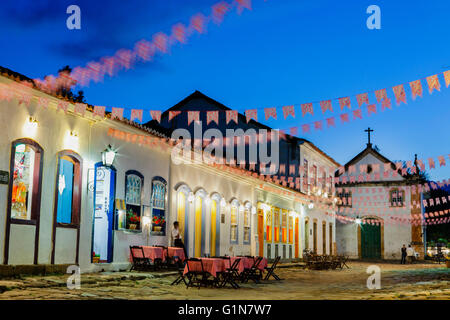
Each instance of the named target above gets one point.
<point>139,261</point>
<point>181,276</point>
<point>197,278</point>
<point>231,274</point>
<point>253,272</point>
<point>271,270</point>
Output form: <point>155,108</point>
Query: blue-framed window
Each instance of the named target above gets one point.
<point>158,202</point>
<point>134,183</point>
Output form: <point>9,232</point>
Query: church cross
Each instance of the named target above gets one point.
<point>368,130</point>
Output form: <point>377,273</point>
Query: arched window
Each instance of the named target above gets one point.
<point>234,221</point>
<point>134,183</point>
<point>247,220</point>
<point>158,201</point>
<point>26,178</point>
<point>68,188</point>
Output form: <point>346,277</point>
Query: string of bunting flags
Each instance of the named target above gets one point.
<point>143,50</point>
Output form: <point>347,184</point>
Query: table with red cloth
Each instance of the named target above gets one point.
<point>211,265</point>
<point>249,261</point>
<point>151,252</point>
<point>176,251</point>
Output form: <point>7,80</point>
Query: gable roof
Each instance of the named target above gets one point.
<point>362,154</point>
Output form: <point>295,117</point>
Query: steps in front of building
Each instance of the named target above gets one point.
<point>7,271</point>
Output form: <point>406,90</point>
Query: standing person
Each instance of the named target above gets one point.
<point>410,254</point>
<point>176,238</point>
<point>403,261</point>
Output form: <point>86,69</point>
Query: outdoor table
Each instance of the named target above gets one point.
<point>152,253</point>
<point>240,266</point>
<point>248,263</point>
<point>211,265</point>
<point>176,251</point>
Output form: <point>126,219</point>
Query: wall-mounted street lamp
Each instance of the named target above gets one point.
<point>108,156</point>
<point>358,221</point>
<point>311,205</point>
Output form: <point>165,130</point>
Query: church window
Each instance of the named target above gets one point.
<point>396,197</point>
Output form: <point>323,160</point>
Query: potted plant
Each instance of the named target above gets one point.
<point>132,220</point>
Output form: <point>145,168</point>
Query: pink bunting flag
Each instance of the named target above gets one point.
<point>80,108</point>
<point>62,105</point>
<point>344,117</point>
<point>219,10</point>
<point>431,163</point>
<point>307,108</point>
<point>441,161</point>
<point>305,128</point>
<point>173,114</point>
<point>293,131</point>
<point>136,114</point>
<point>156,115</point>
<point>357,114</point>
<point>117,113</point>
<point>99,111</point>
<point>270,112</point>
<point>179,32</point>
<point>43,102</point>
<point>243,4</point>
<point>400,95</point>
<point>193,116</point>
<point>416,89</point>
<point>251,114</point>
<point>331,122</point>
<point>362,98</point>
<point>161,41</point>
<point>144,50</point>
<point>433,83</point>
<point>198,23</point>
<point>344,102</point>
<point>318,125</point>
<point>380,94</point>
<point>447,78</point>
<point>288,110</point>
<point>386,103</point>
<point>326,105</point>
<point>371,108</point>
<point>212,116</point>
<point>125,58</point>
<point>231,115</point>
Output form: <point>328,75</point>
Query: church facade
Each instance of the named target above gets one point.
<point>377,197</point>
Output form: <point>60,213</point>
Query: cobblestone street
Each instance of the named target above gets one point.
<point>418,281</point>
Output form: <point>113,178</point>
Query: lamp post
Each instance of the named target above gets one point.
<point>108,156</point>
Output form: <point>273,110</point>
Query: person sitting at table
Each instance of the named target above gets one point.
<point>176,238</point>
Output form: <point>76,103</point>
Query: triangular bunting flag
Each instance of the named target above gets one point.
<point>251,114</point>
<point>270,112</point>
<point>318,125</point>
<point>331,122</point>
<point>416,89</point>
<point>117,113</point>
<point>326,105</point>
<point>156,115</point>
<point>62,105</point>
<point>173,114</point>
<point>357,114</point>
<point>400,95</point>
<point>447,78</point>
<point>136,114</point>
<point>212,116</point>
<point>343,102</point>
<point>344,117</point>
<point>433,83</point>
<point>43,102</point>
<point>307,108</point>
<point>99,111</point>
<point>80,108</point>
<point>231,115</point>
<point>288,110</point>
<point>380,94</point>
<point>386,103</point>
<point>362,98</point>
<point>305,128</point>
<point>193,116</point>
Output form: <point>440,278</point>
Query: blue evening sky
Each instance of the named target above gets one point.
<point>282,52</point>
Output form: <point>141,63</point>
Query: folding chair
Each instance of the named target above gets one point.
<point>231,273</point>
<point>181,276</point>
<point>196,278</point>
<point>139,261</point>
<point>271,270</point>
<point>253,272</point>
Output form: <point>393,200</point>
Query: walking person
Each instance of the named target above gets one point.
<point>410,254</point>
<point>176,238</point>
<point>403,261</point>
